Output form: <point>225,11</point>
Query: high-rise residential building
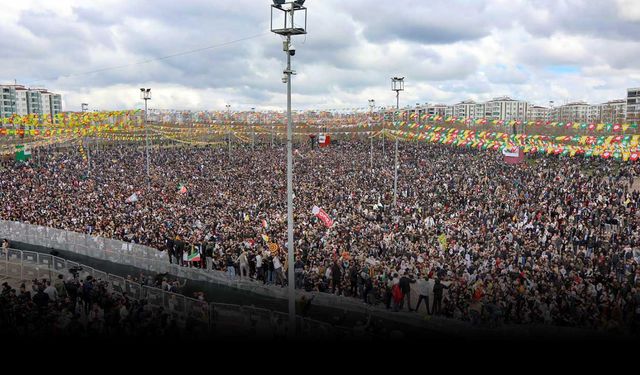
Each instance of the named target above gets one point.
<point>613,111</point>
<point>505,108</point>
<point>19,100</point>
<point>633,105</point>
<point>437,109</point>
<point>571,112</point>
<point>538,113</point>
<point>594,113</point>
<point>466,108</point>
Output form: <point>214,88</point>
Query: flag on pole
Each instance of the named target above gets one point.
<point>513,156</point>
<point>265,238</point>
<point>132,198</point>
<point>182,189</point>
<point>265,225</point>
<point>194,256</point>
<point>320,214</point>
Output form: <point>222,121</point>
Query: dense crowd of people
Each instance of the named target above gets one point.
<point>553,240</point>
<point>83,307</point>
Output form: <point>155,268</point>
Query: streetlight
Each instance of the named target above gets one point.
<point>229,126</point>
<point>397,85</point>
<point>253,129</point>
<point>85,107</point>
<point>372,104</point>
<point>146,95</point>
<point>289,28</point>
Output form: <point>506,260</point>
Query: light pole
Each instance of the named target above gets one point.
<point>397,85</point>
<point>85,108</point>
<point>145,94</point>
<point>253,129</point>
<point>287,11</point>
<point>372,103</point>
<point>229,126</point>
<point>273,129</point>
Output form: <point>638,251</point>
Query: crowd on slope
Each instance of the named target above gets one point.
<point>553,240</point>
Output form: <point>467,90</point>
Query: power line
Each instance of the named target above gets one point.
<point>149,60</point>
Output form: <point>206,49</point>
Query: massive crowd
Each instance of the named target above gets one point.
<point>84,307</point>
<point>552,240</point>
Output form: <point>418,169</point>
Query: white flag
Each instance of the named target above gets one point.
<point>132,198</point>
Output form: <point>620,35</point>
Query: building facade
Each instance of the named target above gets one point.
<point>613,111</point>
<point>633,105</point>
<point>466,108</point>
<point>505,108</point>
<point>538,113</point>
<point>571,112</point>
<point>19,100</point>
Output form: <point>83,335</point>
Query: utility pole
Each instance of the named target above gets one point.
<point>253,129</point>
<point>145,93</point>
<point>397,85</point>
<point>229,128</point>
<point>372,104</point>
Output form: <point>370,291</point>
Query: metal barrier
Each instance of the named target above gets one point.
<point>142,257</point>
<point>239,319</point>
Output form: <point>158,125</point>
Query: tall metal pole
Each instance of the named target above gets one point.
<point>395,178</point>
<point>291,261</point>
<point>371,105</point>
<point>253,130</point>
<point>85,107</point>
<point>384,154</point>
<point>229,131</point>
<point>146,135</point>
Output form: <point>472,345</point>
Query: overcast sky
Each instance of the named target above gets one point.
<point>448,50</point>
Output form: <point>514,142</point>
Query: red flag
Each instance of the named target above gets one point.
<point>513,156</point>
<point>320,214</point>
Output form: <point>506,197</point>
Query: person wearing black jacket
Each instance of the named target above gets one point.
<point>208,255</point>
<point>170,243</point>
<point>353,277</point>
<point>336,276</point>
<point>438,289</point>
<point>179,250</point>
<point>405,287</point>
<point>368,286</point>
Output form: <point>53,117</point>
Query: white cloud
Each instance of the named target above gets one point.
<point>629,9</point>
<point>448,50</point>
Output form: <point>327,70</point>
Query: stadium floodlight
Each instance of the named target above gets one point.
<point>145,94</point>
<point>286,29</point>
<point>397,85</point>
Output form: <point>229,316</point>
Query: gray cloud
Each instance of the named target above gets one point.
<point>448,50</point>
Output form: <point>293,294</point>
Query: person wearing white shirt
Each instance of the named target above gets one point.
<point>277,267</point>
<point>259,272</point>
<point>51,291</point>
<point>243,263</point>
<point>422,287</point>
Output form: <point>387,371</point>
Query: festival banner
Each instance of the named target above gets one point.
<point>320,214</point>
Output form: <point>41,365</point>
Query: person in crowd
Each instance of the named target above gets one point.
<point>554,239</point>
